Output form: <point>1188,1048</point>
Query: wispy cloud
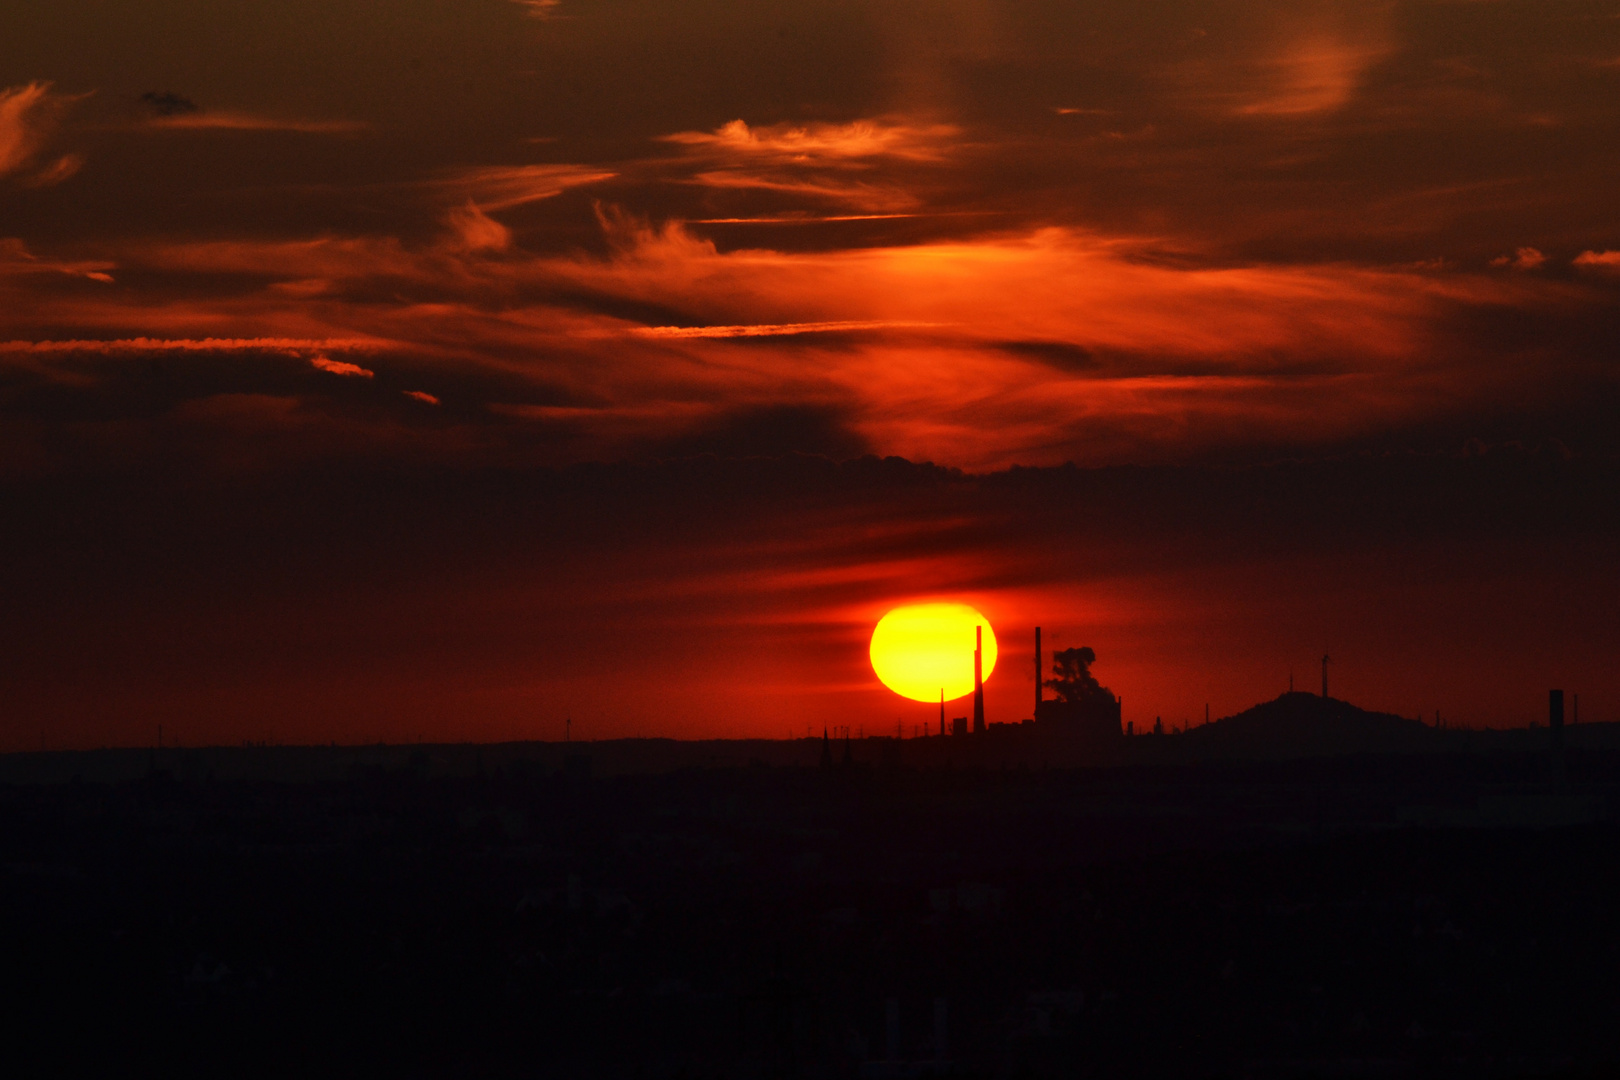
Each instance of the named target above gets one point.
<point>139,345</point>
<point>1312,74</point>
<point>821,144</point>
<point>777,329</point>
<point>1284,62</point>
<point>227,120</point>
<point>474,230</point>
<point>340,367</point>
<point>865,196</point>
<point>63,168</point>
<point>819,162</point>
<point>15,258</point>
<point>501,187</point>
<point>29,115</point>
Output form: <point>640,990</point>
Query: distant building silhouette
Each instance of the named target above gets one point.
<point>1083,706</point>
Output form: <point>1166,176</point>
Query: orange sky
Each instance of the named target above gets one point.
<point>315,316</point>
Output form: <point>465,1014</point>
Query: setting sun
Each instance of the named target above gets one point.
<point>922,649</point>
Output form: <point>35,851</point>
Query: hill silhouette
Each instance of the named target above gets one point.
<point>1298,724</point>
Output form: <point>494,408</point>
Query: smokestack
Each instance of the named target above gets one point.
<point>1037,673</point>
<point>978,679</point>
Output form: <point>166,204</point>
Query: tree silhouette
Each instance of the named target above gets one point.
<point>1074,683</point>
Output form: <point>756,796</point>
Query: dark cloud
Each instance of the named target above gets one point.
<point>772,432</point>
<point>168,103</point>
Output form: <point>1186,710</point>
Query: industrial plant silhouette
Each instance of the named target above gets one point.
<point>1301,889</point>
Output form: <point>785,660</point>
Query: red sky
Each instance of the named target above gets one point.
<point>446,369</point>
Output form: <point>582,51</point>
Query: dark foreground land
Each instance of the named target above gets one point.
<point>1381,915</point>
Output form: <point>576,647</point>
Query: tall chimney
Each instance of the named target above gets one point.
<point>1037,673</point>
<point>978,679</point>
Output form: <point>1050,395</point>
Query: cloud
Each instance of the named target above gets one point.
<point>1525,258</point>
<point>1012,346</point>
<point>29,115</point>
<point>15,259</point>
<point>473,230</point>
<point>63,168</point>
<point>798,218</point>
<point>141,345</point>
<point>1283,61</point>
<point>422,396</point>
<point>1598,260</point>
<point>768,431</point>
<point>864,196</point>
<point>817,161</point>
<point>1309,75</point>
<point>776,329</point>
<point>173,111</point>
<point>340,367</point>
<point>157,347</point>
<point>168,103</point>
<point>821,144</point>
<point>209,120</point>
<point>501,187</point>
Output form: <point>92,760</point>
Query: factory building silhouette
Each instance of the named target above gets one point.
<point>1082,709</point>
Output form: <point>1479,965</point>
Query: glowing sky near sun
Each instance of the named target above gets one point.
<point>335,252</point>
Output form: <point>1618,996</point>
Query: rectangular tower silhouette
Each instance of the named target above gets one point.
<point>978,678</point>
<point>1037,711</point>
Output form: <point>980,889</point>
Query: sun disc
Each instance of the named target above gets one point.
<point>920,649</point>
